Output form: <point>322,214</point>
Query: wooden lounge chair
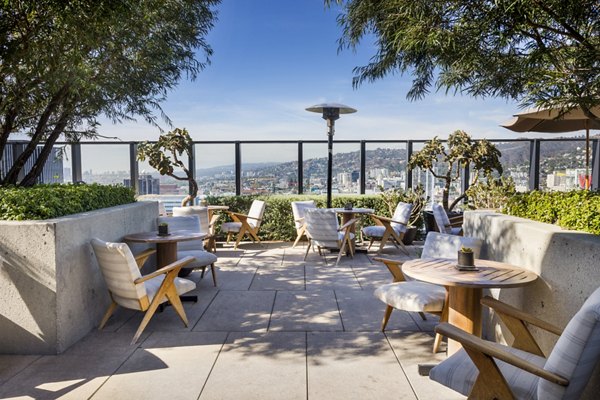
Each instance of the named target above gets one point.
<point>487,370</point>
<point>299,208</point>
<point>325,232</point>
<point>389,228</point>
<point>128,288</point>
<point>245,224</point>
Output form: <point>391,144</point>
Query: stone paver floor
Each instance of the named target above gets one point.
<point>276,327</point>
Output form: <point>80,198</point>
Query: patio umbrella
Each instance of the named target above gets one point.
<point>555,120</point>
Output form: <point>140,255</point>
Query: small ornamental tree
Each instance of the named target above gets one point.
<point>165,156</point>
<point>461,151</point>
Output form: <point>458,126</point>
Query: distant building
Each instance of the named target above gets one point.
<point>355,175</point>
<point>146,184</point>
<point>52,172</point>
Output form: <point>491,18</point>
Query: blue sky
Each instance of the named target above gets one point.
<point>272,59</point>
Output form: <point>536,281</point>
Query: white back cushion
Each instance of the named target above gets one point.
<point>441,245</point>
<point>322,226</point>
<point>187,223</point>
<point>441,218</point>
<point>120,270</point>
<point>576,352</point>
<point>299,209</point>
<point>200,211</point>
<point>401,214</point>
<point>256,212</point>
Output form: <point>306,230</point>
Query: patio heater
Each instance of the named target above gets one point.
<point>330,112</point>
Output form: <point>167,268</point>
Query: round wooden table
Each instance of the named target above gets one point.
<point>166,246</point>
<point>465,288</point>
<point>347,215</point>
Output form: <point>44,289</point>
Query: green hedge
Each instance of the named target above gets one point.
<point>56,200</point>
<point>278,221</point>
<point>576,210</point>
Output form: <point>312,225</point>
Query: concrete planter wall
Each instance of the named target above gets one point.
<point>51,290</point>
<point>568,263</point>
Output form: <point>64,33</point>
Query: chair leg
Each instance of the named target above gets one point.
<point>371,240</point>
<point>228,237</point>
<point>443,318</point>
<point>384,239</point>
<point>386,317</point>
<point>342,250</point>
<point>307,249</point>
<point>240,235</point>
<point>297,240</point>
<point>176,303</point>
<point>214,274</point>
<point>422,315</point>
<point>113,306</point>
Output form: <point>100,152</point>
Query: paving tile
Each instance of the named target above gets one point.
<point>76,374</point>
<point>287,277</point>
<point>259,367</point>
<point>346,365</point>
<point>168,365</point>
<point>305,311</point>
<point>413,349</point>
<point>10,365</point>
<point>320,277</point>
<point>361,311</point>
<point>168,319</point>
<point>237,311</point>
<point>235,277</point>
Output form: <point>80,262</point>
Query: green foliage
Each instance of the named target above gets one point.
<point>577,210</point>
<point>65,63</point>
<point>493,193</point>
<point>57,200</point>
<point>174,143</point>
<point>278,220</point>
<point>536,52</point>
<point>461,151</point>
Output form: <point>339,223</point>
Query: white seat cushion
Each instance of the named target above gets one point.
<point>202,258</point>
<point>459,373</point>
<point>231,226</point>
<point>377,231</point>
<point>454,230</point>
<point>183,286</point>
<point>412,296</point>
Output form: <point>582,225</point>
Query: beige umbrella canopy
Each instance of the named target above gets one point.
<point>556,120</point>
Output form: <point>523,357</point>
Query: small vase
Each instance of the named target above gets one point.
<point>348,206</point>
<point>163,230</point>
<point>466,259</point>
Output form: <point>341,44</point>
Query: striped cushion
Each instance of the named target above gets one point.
<point>231,227</point>
<point>377,231</point>
<point>441,218</point>
<point>412,296</point>
<point>446,246</point>
<point>576,352</point>
<point>183,286</point>
<point>459,373</point>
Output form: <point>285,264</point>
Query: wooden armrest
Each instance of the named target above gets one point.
<point>479,345</point>
<point>394,266</point>
<point>391,220</point>
<point>141,258</point>
<point>173,266</point>
<point>242,216</point>
<point>348,224</point>
<point>503,308</point>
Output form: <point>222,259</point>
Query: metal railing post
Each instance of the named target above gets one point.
<point>464,181</point>
<point>238,168</point>
<point>134,171</point>
<point>192,167</point>
<point>76,173</point>
<point>363,166</point>
<point>595,165</point>
<point>408,171</point>
<point>300,168</point>
<point>534,164</point>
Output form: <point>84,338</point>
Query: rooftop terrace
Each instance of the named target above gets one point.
<point>276,327</point>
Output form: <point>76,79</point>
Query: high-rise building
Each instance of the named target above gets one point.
<point>146,184</point>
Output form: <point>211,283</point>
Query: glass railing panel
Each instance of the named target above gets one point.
<point>385,166</point>
<point>315,168</point>
<point>105,163</point>
<point>515,162</point>
<point>215,169</point>
<point>562,165</point>
<point>269,168</point>
<point>346,168</point>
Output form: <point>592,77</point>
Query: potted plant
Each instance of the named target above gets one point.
<point>163,229</point>
<point>466,257</point>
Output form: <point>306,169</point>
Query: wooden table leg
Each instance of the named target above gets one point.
<point>464,312</point>
<point>166,253</point>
